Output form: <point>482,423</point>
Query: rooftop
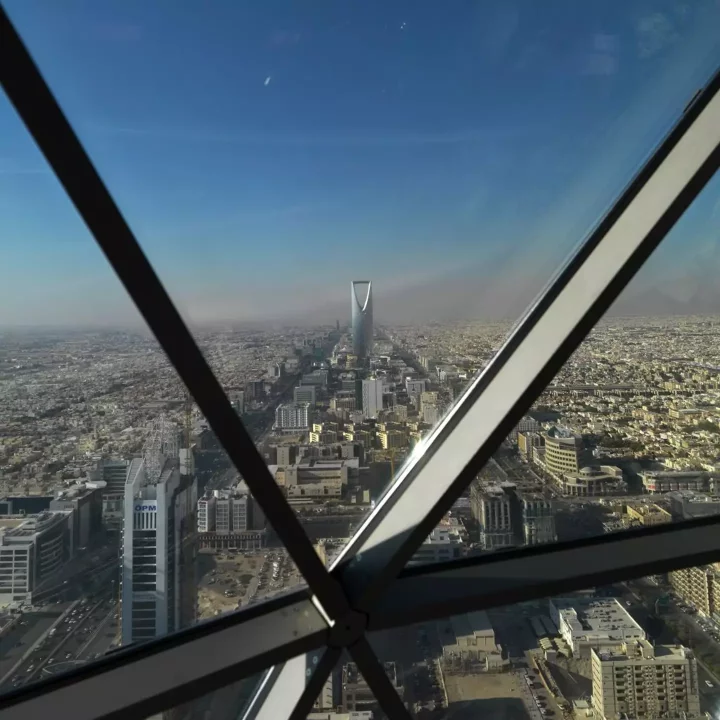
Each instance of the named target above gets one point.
<point>591,616</point>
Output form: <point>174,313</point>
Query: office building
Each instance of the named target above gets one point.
<point>305,394</point>
<point>661,481</point>
<point>86,503</point>
<point>508,517</point>
<point>113,473</point>
<point>495,509</point>
<point>646,515</point>
<point>415,388</point>
<point>362,319</point>
<point>33,551</point>
<point>443,544</point>
<point>563,452</point>
<point>527,442</point>
<point>431,414</point>
<point>372,397</point>
<point>292,417</point>
<point>538,519</point>
<point>592,481</point>
<point>314,477</point>
<point>527,424</point>
<point>159,543</point>
<point>640,680</point>
<point>687,504</point>
<point>225,511</point>
<point>592,623</point>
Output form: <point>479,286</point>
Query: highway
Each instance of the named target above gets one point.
<point>76,633</point>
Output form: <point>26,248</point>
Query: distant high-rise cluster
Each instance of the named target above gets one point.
<point>362,319</point>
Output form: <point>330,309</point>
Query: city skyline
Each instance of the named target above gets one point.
<point>488,487</point>
<point>459,162</point>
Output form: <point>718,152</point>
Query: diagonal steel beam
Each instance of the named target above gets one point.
<point>502,578</point>
<point>46,122</point>
<point>141,680</point>
<point>444,465</point>
<point>375,676</point>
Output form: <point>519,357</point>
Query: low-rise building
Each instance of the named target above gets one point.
<point>647,515</point>
<point>591,623</point>
<point>592,481</point>
<point>316,477</point>
<point>444,543</point>
<point>661,481</point>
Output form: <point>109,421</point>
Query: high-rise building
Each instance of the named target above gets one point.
<point>159,587</point>
<point>372,397</point>
<point>362,320</point>
<point>508,517</point>
<point>641,680</point>
<point>292,416</point>
<point>85,500</point>
<point>495,510</point>
<point>538,519</point>
<point>113,473</point>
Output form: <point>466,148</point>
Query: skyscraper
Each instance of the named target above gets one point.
<point>362,320</point>
<point>159,590</point>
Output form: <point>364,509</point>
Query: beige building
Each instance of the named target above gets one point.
<point>699,586</point>
<point>563,454</point>
<point>647,515</point>
<point>592,481</point>
<point>640,681</point>
<point>316,478</point>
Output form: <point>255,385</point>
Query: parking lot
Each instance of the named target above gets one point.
<point>501,696</point>
<point>230,580</point>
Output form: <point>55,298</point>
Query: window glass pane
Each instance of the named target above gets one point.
<point>635,649</point>
<point>103,455</point>
<point>627,435</point>
<point>346,694</point>
<point>228,703</point>
<point>268,154</point>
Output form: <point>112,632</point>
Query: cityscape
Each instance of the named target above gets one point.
<point>122,519</point>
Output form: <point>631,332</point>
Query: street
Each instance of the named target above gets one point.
<point>81,631</point>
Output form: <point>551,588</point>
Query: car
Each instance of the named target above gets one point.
<point>709,684</point>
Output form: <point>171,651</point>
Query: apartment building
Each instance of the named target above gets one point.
<point>639,680</point>
<point>699,586</point>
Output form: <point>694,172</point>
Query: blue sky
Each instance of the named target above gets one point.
<point>265,153</point>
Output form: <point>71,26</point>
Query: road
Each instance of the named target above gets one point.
<point>85,632</point>
<point>23,636</point>
<point>639,599</point>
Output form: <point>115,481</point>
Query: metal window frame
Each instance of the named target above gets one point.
<point>368,568</point>
<point>537,349</point>
<point>510,576</point>
<point>141,680</point>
